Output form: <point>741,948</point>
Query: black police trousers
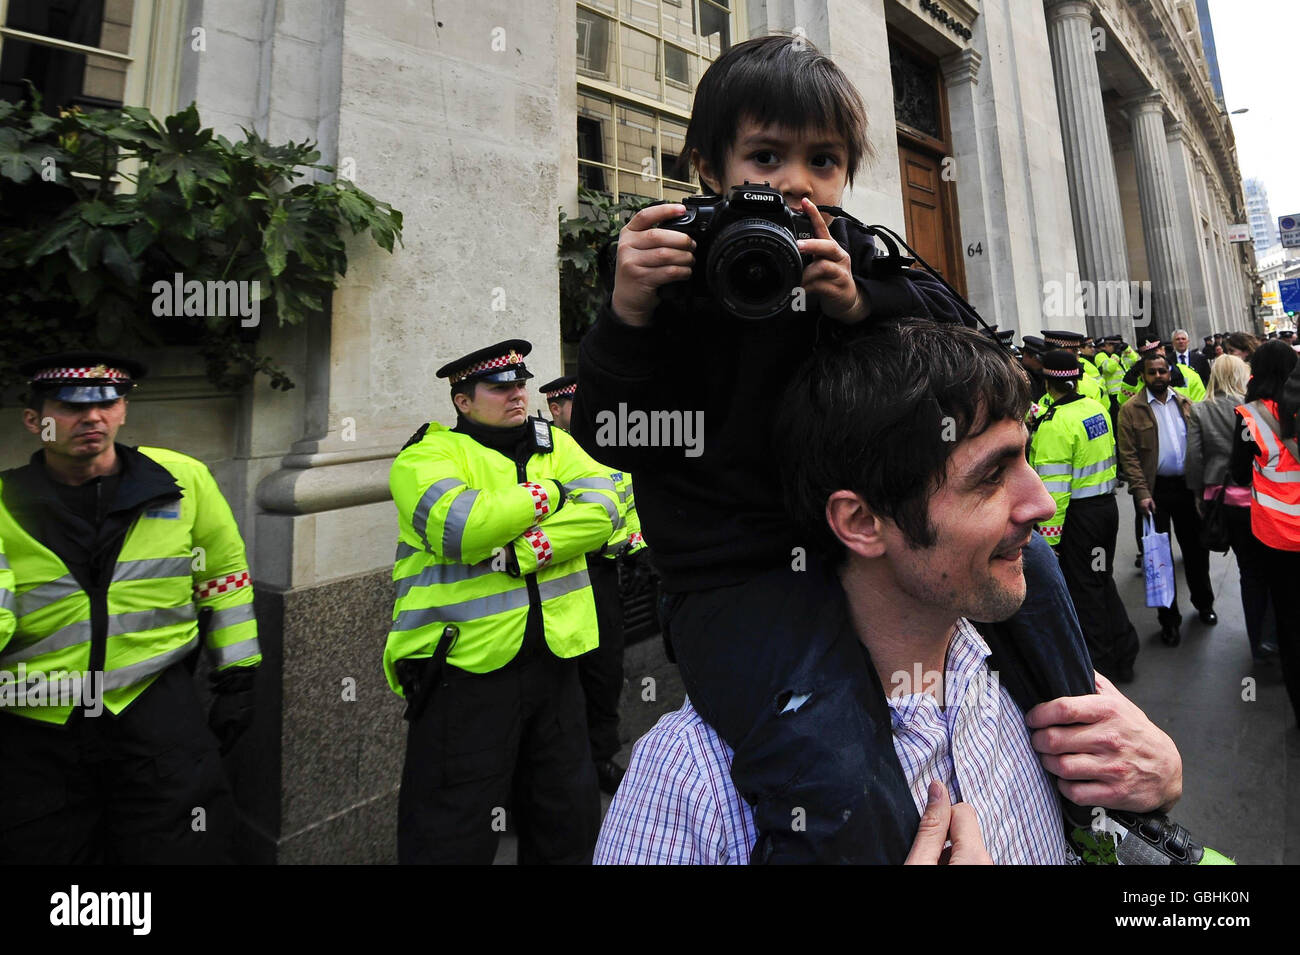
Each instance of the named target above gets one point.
<point>498,751</point>
<point>601,670</point>
<point>783,679</point>
<point>1176,504</point>
<point>145,787</point>
<point>1087,552</point>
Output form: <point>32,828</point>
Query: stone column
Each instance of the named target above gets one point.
<point>1166,258</point>
<point>1094,192</point>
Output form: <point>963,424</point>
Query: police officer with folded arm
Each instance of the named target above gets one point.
<point>123,560</point>
<point>1073,451</point>
<point>494,603</point>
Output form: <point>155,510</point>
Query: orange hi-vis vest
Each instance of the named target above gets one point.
<point>1275,490</point>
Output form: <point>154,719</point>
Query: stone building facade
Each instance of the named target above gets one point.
<point>1022,146</point>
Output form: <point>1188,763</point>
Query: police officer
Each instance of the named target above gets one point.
<point>1090,385</point>
<point>1031,353</point>
<point>601,670</point>
<point>123,560</point>
<point>1073,451</point>
<point>494,602</point>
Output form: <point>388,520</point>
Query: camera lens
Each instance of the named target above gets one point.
<point>752,268</point>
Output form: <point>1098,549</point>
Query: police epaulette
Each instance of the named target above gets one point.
<point>415,438</point>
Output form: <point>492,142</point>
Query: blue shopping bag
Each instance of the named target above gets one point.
<point>1158,563</point>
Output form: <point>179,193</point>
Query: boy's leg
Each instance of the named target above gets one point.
<point>774,668</point>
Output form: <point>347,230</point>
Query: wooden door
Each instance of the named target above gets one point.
<point>924,212</point>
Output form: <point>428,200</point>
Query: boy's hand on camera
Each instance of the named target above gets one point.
<point>648,258</point>
<point>829,274</point>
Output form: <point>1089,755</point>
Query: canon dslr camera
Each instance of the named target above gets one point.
<point>746,259</point>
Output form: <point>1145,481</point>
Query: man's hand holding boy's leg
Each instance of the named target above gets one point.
<point>1104,751</point>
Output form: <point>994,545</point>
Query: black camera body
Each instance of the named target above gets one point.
<point>746,259</point>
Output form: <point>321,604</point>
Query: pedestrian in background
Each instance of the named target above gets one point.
<point>1211,429</point>
<point>1271,453</point>
<point>1241,344</point>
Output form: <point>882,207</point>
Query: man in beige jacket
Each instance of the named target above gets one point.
<point>1153,452</point>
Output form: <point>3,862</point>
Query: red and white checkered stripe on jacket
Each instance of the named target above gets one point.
<point>541,500</point>
<point>221,585</point>
<point>540,544</point>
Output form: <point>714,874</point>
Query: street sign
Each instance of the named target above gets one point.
<point>1263,311</point>
<point>1288,228</point>
<point>1290,289</point>
<point>1270,298</point>
<point>1239,232</point>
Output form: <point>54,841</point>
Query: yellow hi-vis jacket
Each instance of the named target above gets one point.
<point>177,559</point>
<point>475,543</point>
<point>1073,451</point>
<point>6,599</point>
<point>626,538</point>
<point>1112,373</point>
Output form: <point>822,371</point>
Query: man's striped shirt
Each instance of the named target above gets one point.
<point>677,804</point>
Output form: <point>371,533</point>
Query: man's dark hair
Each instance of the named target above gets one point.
<point>779,80</point>
<point>1270,366</point>
<point>881,413</point>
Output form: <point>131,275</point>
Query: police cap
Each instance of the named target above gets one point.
<point>563,387</point>
<point>1033,345</point>
<point>499,363</point>
<point>1057,339</point>
<point>82,377</point>
<point>1061,364</point>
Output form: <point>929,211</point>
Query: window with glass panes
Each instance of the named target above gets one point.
<point>91,53</point>
<point>638,64</point>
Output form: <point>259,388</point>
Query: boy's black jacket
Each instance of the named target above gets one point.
<point>716,519</point>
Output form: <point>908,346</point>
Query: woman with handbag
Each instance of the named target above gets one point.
<point>1266,450</point>
<point>1224,506</point>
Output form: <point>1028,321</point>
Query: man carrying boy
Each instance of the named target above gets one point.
<point>913,535</point>
<point>755,654</point>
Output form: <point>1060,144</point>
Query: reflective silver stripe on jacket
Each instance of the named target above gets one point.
<point>230,616</point>
<point>1273,504</point>
<point>1097,468</point>
<point>69,636</point>
<point>42,596</point>
<point>142,620</point>
<point>453,530</point>
<point>481,607</point>
<point>4,562</point>
<point>152,567</point>
<point>7,599</point>
<point>420,519</point>
<point>615,520</point>
<point>1048,470</point>
<point>128,675</point>
<point>1056,487</point>
<point>220,656</point>
<point>592,484</point>
<point>1097,490</point>
<point>404,550</point>
<point>443,574</point>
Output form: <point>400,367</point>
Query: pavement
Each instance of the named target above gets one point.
<point>1229,716</point>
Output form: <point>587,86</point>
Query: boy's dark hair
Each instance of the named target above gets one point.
<point>881,413</point>
<point>781,80</point>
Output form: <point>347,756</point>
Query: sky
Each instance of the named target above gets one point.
<point>1258,42</point>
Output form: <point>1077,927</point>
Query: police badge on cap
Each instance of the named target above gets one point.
<point>499,363</point>
<point>82,377</point>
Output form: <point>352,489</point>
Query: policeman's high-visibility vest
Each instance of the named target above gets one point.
<point>1192,388</point>
<point>1086,386</point>
<point>626,539</point>
<point>1090,370</point>
<point>178,558</point>
<point>474,543</point>
<point>1275,486</point>
<point>1073,451</point>
<point>6,599</point>
<point>1112,373</point>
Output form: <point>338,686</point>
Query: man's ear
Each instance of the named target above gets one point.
<point>704,169</point>
<point>856,525</point>
<point>461,401</point>
<point>32,420</point>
